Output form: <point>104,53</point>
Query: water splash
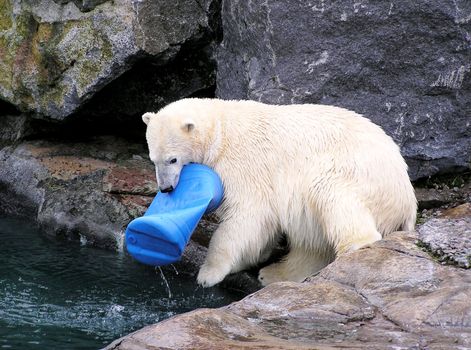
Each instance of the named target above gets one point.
<point>165,281</point>
<point>175,269</point>
<point>83,240</point>
<point>119,238</point>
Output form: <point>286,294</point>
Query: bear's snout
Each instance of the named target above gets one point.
<point>166,190</point>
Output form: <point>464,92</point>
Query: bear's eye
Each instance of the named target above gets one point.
<point>173,160</point>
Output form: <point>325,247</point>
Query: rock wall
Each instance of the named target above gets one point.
<point>404,64</point>
<point>55,56</point>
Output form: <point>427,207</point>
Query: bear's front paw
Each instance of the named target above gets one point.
<point>208,276</point>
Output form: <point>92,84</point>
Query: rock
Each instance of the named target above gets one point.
<point>137,178</point>
<point>460,212</point>
<point>55,55</point>
<point>389,295</point>
<point>204,329</point>
<point>20,193</point>
<point>13,129</point>
<point>83,5</point>
<point>448,237</point>
<point>428,198</point>
<point>14,125</point>
<point>244,282</point>
<point>405,65</point>
<point>72,189</point>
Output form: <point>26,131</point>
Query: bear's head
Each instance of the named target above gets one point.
<point>176,136</point>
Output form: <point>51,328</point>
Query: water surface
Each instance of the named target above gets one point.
<point>61,295</point>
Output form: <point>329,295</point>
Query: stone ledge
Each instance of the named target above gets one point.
<point>386,296</point>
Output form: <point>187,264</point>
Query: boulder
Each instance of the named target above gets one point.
<point>55,55</point>
<point>390,295</point>
<point>448,237</point>
<point>405,65</point>
<point>86,190</point>
<point>428,198</point>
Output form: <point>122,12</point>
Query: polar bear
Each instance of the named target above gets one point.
<point>328,178</point>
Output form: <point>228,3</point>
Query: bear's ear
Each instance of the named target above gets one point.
<point>188,125</point>
<point>146,117</point>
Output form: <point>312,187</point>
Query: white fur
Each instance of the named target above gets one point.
<point>327,177</point>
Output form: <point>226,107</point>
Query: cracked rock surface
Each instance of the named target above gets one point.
<point>389,295</point>
<point>448,236</point>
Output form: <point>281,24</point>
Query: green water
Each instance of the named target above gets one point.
<point>61,295</point>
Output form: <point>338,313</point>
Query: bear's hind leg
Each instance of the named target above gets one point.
<point>355,241</point>
<point>350,225</point>
<point>296,266</point>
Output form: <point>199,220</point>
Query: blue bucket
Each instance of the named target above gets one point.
<point>161,235</point>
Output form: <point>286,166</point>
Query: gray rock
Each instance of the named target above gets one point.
<point>20,193</point>
<point>428,198</point>
<point>405,65</point>
<point>57,54</point>
<point>61,187</point>
<point>83,5</point>
<point>14,128</point>
<point>448,237</point>
<point>390,295</point>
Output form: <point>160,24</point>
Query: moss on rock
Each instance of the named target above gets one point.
<point>5,15</point>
